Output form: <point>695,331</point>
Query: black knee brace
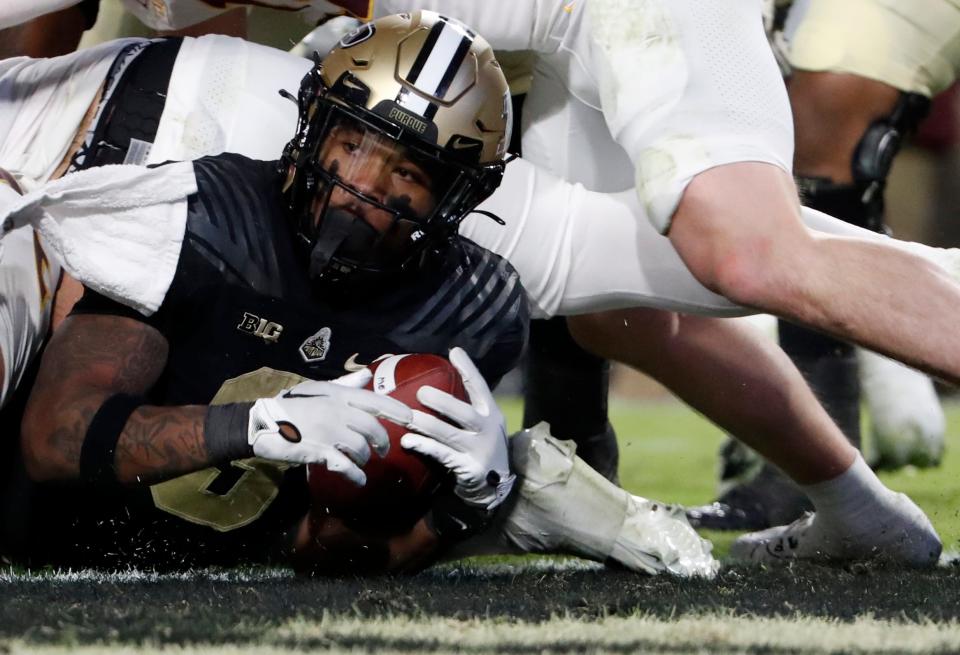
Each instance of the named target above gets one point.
<point>861,203</point>
<point>566,386</point>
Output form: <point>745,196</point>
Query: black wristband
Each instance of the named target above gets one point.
<point>97,464</point>
<point>453,520</point>
<point>225,432</point>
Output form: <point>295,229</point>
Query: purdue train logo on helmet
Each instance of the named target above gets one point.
<point>403,131</point>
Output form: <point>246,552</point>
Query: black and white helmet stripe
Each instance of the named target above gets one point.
<point>436,65</point>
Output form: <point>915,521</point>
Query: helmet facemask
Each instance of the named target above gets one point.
<point>373,198</point>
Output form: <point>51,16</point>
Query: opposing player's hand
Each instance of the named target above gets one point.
<point>472,444</point>
<point>331,423</point>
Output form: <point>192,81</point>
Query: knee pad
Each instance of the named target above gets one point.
<point>861,203</point>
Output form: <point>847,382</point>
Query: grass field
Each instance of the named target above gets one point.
<point>522,605</point>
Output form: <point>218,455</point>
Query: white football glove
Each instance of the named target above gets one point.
<point>333,423</point>
<point>477,451</point>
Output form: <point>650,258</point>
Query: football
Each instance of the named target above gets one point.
<point>401,484</point>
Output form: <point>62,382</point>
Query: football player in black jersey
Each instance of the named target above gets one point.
<point>178,426</point>
<point>342,251</point>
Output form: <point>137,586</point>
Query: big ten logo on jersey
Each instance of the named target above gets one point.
<point>260,327</point>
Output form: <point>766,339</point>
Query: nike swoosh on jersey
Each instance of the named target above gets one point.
<point>352,364</point>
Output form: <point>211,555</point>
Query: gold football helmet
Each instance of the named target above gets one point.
<point>403,131</point>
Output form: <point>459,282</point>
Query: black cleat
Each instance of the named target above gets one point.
<point>768,499</point>
<point>721,516</point>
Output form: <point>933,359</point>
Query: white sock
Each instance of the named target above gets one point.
<point>852,499</point>
<point>857,516</point>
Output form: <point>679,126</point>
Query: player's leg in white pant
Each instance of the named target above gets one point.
<point>580,251</point>
<point>755,250</point>
<point>737,227</point>
<point>724,192</point>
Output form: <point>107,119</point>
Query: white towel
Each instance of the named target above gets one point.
<point>117,229</point>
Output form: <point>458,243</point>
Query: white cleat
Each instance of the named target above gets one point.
<point>564,506</point>
<point>907,421</point>
<point>904,537</point>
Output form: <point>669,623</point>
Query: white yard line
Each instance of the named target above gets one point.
<point>706,633</point>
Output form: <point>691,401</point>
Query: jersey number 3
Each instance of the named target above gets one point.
<point>223,498</point>
<point>235,495</point>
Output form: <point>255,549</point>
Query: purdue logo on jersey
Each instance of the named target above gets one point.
<point>316,347</point>
<point>260,327</point>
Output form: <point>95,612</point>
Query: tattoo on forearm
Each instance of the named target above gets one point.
<point>87,361</point>
<point>161,442</point>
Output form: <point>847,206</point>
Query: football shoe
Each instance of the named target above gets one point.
<point>902,535</point>
<point>565,506</point>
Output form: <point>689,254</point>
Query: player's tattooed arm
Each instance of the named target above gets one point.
<point>89,359</point>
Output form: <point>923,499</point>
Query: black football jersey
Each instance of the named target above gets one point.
<point>240,300</point>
